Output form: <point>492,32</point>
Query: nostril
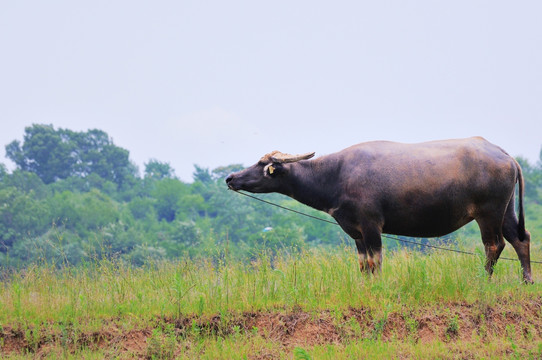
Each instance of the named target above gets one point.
<point>229,178</point>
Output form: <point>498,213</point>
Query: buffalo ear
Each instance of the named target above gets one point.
<point>269,169</point>
<point>273,169</point>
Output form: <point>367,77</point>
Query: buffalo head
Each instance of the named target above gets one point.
<point>266,175</point>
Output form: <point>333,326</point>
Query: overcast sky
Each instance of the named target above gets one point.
<point>221,82</point>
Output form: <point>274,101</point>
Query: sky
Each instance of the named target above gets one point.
<point>215,83</point>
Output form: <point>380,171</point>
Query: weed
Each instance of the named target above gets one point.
<point>482,327</point>
<point>412,328</point>
<point>355,328</point>
<point>379,323</point>
<point>301,354</point>
<point>200,305</point>
<point>162,343</point>
<point>528,332</point>
<point>378,329</point>
<point>453,327</point>
<point>195,329</point>
<point>510,331</point>
<point>236,331</point>
<point>17,299</point>
<point>32,335</point>
<point>254,330</point>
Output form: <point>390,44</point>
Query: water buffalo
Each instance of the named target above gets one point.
<point>423,190</point>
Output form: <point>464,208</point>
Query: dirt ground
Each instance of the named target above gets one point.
<point>462,323</point>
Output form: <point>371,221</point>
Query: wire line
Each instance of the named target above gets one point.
<point>383,235</point>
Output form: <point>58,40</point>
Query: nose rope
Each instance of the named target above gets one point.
<point>383,235</point>
<point>285,208</point>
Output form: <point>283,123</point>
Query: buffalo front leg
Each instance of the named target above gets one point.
<point>362,256</point>
<point>370,258</point>
<point>373,242</point>
<point>374,260</point>
<point>368,243</point>
<point>372,246</point>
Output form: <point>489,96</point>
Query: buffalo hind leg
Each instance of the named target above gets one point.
<point>510,231</point>
<point>492,238</point>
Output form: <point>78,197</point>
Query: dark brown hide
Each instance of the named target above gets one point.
<point>423,190</point>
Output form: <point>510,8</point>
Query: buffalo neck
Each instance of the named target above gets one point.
<point>311,183</point>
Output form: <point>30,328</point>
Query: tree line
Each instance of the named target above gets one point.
<point>76,196</point>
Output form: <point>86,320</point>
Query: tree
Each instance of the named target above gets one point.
<point>205,176</point>
<point>201,174</point>
<point>532,178</point>
<point>168,194</point>
<point>26,182</point>
<point>83,213</point>
<point>21,215</point>
<point>157,170</point>
<point>45,152</point>
<point>222,172</point>
<point>3,172</point>
<point>142,208</point>
<point>58,154</point>
<point>96,154</point>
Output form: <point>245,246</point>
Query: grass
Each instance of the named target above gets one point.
<point>313,280</point>
<point>199,303</point>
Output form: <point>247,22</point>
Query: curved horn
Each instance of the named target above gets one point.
<point>287,158</point>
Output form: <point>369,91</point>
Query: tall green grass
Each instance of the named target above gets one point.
<point>311,280</point>
<point>63,307</point>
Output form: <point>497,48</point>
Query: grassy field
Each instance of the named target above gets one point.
<point>307,305</point>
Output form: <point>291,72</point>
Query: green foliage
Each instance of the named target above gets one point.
<point>21,216</point>
<point>222,172</point>
<point>157,170</point>
<point>162,343</point>
<point>533,179</point>
<point>202,174</point>
<point>169,195</point>
<point>83,212</point>
<point>301,354</point>
<point>59,154</point>
<point>45,152</point>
